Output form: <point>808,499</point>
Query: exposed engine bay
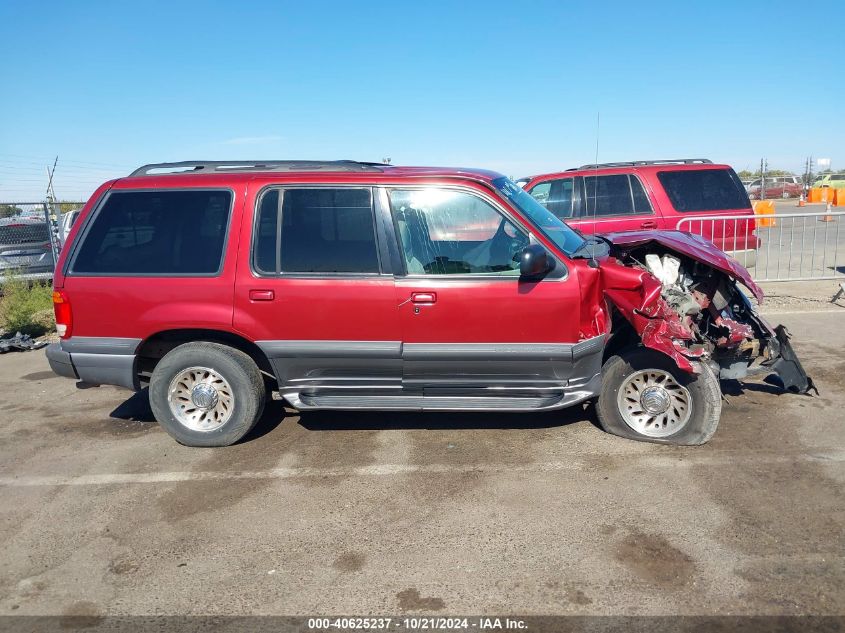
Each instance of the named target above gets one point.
<point>693,309</point>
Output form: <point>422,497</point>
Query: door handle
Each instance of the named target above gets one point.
<point>261,295</point>
<point>648,224</point>
<point>424,297</point>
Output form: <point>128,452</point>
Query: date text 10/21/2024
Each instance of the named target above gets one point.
<point>416,623</point>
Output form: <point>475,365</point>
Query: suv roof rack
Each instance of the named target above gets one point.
<point>229,166</point>
<point>640,163</point>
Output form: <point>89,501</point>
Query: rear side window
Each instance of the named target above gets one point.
<point>180,233</point>
<point>613,195</point>
<point>704,190</point>
<point>315,231</point>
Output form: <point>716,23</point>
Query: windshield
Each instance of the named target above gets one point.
<point>565,238</point>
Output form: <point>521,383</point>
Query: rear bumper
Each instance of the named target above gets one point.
<point>60,361</point>
<point>95,360</point>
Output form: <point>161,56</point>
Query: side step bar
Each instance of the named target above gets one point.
<point>438,403</point>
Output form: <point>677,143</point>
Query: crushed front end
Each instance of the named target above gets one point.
<point>681,294</point>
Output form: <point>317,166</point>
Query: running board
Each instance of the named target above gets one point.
<point>437,403</point>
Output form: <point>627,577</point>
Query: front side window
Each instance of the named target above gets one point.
<point>161,232</point>
<point>543,220</point>
<point>445,232</point>
<point>701,190</point>
<point>325,230</point>
<point>556,196</point>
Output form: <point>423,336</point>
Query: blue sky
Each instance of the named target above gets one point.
<point>513,86</point>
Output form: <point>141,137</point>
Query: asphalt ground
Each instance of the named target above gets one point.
<point>102,513</point>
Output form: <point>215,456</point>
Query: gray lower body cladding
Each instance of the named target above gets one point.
<point>96,360</point>
<point>386,375</point>
<point>391,375</point>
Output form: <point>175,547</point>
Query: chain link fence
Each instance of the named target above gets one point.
<point>32,235</point>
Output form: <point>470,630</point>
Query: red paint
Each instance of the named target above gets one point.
<point>694,246</point>
<point>665,216</point>
<point>381,307</point>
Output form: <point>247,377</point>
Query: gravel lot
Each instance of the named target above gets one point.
<point>102,513</point>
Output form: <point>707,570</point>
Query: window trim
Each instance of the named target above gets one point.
<point>645,193</point>
<point>101,204</point>
<point>279,274</point>
<point>634,214</point>
<point>574,202</point>
<point>559,273</point>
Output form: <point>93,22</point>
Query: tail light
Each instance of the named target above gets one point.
<point>64,316</point>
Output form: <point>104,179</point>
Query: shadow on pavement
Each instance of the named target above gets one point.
<point>137,409</point>
<point>393,420</point>
<point>737,388</point>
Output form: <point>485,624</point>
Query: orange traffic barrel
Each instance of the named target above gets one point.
<point>765,208</point>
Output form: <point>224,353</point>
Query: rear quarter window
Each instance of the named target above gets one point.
<point>179,233</point>
<point>704,190</point>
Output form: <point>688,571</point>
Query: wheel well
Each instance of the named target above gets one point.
<point>154,348</point>
<point>622,336</point>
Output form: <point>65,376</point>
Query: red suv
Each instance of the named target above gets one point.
<point>654,194</point>
<point>346,285</point>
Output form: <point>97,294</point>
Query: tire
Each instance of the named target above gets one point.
<point>218,381</point>
<point>636,372</point>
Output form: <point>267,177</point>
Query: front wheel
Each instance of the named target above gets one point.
<point>645,397</point>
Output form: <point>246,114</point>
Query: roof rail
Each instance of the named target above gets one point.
<point>640,163</point>
<point>240,166</point>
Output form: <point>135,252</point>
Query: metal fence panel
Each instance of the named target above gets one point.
<point>31,237</point>
<point>793,246</point>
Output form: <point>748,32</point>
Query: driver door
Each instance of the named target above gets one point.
<point>469,325</point>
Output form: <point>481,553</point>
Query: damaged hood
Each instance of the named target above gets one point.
<point>691,245</point>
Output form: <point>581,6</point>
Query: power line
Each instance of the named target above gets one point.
<point>68,162</point>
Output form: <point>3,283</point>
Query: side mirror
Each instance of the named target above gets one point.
<point>534,262</point>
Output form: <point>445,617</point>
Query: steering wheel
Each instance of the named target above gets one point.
<point>506,244</point>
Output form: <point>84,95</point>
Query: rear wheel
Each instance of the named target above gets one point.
<point>207,394</point>
<point>645,397</point>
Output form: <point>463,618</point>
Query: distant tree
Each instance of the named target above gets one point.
<point>66,207</point>
<point>8,210</point>
<point>745,173</point>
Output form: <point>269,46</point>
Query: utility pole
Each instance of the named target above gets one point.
<point>763,166</point>
<point>51,213</point>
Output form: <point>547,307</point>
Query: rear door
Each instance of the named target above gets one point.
<point>316,293</point>
<point>470,326</point>
<point>614,202</point>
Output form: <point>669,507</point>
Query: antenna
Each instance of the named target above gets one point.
<point>593,262</point>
